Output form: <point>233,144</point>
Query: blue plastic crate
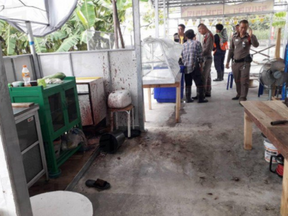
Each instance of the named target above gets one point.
<point>168,95</point>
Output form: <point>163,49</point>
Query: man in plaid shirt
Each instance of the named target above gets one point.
<point>192,58</point>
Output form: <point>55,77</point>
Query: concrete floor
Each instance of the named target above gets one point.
<point>197,167</point>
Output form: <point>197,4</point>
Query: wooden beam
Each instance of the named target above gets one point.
<point>176,84</point>
<point>278,44</point>
<point>247,132</point>
<point>149,99</point>
<point>178,104</point>
<point>284,199</point>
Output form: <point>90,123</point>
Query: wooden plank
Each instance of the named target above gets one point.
<point>284,199</point>
<point>22,105</point>
<point>176,84</point>
<point>247,132</point>
<point>275,98</point>
<point>149,99</point>
<point>269,111</point>
<point>257,115</point>
<point>280,107</point>
<point>278,44</point>
<point>177,115</point>
<point>127,108</point>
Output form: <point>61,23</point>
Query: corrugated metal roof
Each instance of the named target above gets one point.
<point>187,3</point>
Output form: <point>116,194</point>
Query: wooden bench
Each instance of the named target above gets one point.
<point>262,113</point>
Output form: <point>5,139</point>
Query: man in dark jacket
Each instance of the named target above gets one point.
<point>180,36</point>
<point>219,53</point>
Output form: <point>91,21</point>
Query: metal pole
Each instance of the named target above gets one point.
<point>168,20</point>
<point>164,17</point>
<point>269,40</point>
<point>285,33</point>
<point>156,19</point>
<point>137,41</point>
<point>14,196</point>
<point>32,49</point>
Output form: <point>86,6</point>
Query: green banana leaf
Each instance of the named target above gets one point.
<point>88,12</point>
<point>68,43</point>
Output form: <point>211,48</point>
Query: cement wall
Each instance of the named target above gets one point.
<point>117,67</point>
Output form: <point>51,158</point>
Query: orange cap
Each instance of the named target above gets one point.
<point>24,65</point>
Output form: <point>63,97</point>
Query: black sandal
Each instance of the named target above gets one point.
<point>98,184</point>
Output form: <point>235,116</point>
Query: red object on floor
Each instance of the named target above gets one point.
<point>279,170</point>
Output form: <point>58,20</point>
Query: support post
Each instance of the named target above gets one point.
<point>270,35</point>
<point>164,17</point>
<point>14,196</point>
<point>32,49</point>
<point>178,103</point>
<point>285,41</point>
<point>284,199</point>
<point>278,44</point>
<point>149,99</point>
<point>168,20</point>
<point>247,132</point>
<point>138,57</point>
<point>156,19</point>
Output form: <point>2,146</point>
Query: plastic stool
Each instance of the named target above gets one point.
<point>230,79</point>
<point>129,110</point>
<point>261,89</point>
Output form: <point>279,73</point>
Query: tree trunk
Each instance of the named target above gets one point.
<point>115,23</point>
<point>119,29</point>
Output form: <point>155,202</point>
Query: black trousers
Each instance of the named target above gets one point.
<point>198,80</point>
<point>219,64</point>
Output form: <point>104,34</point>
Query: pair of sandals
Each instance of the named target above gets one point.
<point>99,184</point>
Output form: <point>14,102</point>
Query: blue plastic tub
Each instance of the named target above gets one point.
<point>168,95</point>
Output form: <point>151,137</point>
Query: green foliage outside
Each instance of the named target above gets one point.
<point>98,15</point>
<point>260,24</point>
<point>89,15</point>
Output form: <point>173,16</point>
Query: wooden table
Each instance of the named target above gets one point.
<point>262,113</point>
<point>178,96</point>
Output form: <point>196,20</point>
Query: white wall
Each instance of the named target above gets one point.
<point>117,67</point>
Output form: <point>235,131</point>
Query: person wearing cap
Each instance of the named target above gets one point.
<point>192,59</point>
<point>219,50</point>
<point>207,58</point>
<point>240,53</point>
<point>180,36</point>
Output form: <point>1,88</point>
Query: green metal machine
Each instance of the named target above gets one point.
<point>59,112</point>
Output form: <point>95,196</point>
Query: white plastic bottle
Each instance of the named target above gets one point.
<point>26,75</point>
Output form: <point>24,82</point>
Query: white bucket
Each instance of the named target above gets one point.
<point>270,150</point>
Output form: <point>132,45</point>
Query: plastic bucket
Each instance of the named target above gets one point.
<point>110,142</point>
<point>270,150</point>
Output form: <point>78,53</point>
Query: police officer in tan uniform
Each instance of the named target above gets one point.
<point>207,58</point>
<point>239,52</point>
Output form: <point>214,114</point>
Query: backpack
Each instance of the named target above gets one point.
<point>223,40</point>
